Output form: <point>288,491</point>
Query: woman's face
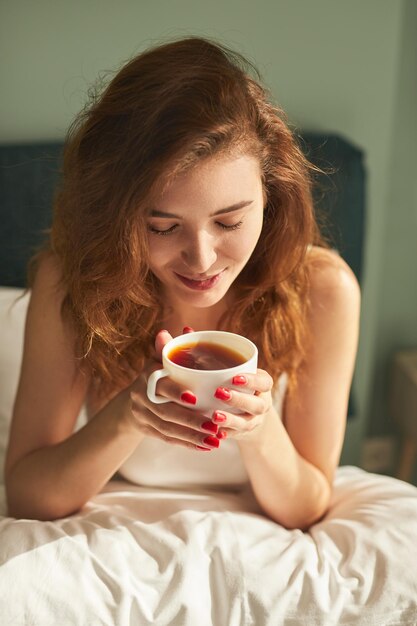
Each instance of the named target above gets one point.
<point>204,228</point>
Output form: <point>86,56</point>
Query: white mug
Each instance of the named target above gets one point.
<point>203,383</point>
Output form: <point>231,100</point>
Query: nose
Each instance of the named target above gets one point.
<point>199,253</point>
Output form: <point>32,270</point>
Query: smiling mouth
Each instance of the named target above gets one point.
<point>200,284</point>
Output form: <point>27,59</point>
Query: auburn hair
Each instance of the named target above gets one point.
<point>162,113</point>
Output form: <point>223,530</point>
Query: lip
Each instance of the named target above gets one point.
<point>200,284</point>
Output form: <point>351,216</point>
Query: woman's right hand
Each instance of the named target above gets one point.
<point>174,422</point>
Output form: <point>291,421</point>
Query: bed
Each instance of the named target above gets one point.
<point>139,555</point>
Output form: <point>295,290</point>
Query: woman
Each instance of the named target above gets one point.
<point>185,202</point>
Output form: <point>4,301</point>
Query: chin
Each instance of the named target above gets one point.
<point>201,299</point>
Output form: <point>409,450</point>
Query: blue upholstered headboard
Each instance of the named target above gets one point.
<point>29,172</point>
<point>28,175</point>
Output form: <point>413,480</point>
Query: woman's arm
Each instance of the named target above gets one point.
<point>51,472</point>
<point>291,464</point>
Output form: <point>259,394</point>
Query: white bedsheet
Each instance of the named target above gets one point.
<point>139,556</point>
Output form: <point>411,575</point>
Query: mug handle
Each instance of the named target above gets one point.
<point>151,388</point>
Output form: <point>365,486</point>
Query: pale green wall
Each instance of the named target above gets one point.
<point>332,64</point>
<point>397,301</point>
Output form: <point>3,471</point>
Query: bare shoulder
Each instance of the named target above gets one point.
<point>49,276</point>
<point>332,281</point>
<point>47,332</point>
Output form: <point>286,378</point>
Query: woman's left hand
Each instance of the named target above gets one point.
<point>253,407</point>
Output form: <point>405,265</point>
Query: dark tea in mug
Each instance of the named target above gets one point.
<point>204,355</point>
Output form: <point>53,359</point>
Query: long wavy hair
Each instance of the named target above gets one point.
<point>162,113</point>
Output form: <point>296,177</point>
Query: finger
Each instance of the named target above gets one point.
<point>165,387</point>
<point>146,411</point>
<point>207,443</point>
<point>162,338</point>
<point>238,427</point>
<point>173,432</point>
<point>230,422</point>
<point>251,403</point>
<point>187,329</point>
<point>232,433</point>
<point>175,392</point>
<point>259,382</point>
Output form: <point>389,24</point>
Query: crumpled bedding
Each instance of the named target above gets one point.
<point>138,555</point>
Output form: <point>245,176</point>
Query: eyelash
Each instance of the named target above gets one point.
<point>163,233</point>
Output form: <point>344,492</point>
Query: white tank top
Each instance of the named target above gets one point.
<point>155,463</point>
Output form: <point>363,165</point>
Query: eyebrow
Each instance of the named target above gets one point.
<point>229,209</point>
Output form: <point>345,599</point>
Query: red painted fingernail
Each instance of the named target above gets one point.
<point>212,441</point>
<point>204,449</point>
<point>222,434</point>
<point>219,417</point>
<point>187,329</point>
<point>239,380</point>
<point>210,427</point>
<point>188,397</point>
<point>222,393</point>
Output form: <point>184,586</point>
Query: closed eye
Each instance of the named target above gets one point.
<point>230,226</point>
<point>156,231</point>
<point>170,230</point>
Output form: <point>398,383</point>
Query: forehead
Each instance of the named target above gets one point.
<point>226,176</point>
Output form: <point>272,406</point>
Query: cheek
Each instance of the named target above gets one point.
<point>250,238</point>
<point>159,255</point>
<point>240,248</point>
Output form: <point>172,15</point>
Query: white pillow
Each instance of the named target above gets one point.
<point>12,325</point>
